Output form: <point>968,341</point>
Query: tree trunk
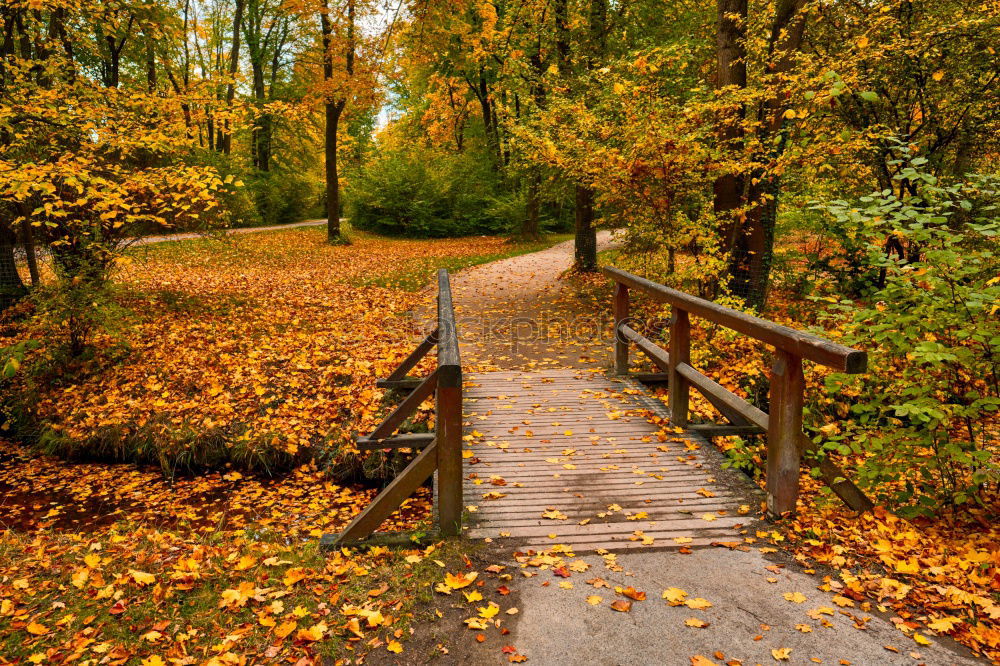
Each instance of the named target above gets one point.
<point>150,65</point>
<point>586,235</point>
<point>234,63</point>
<point>731,70</point>
<point>11,286</point>
<point>532,209</point>
<point>585,252</point>
<point>334,109</point>
<point>753,249</point>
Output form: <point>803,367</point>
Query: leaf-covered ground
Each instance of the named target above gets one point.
<point>259,350</point>
<point>112,564</point>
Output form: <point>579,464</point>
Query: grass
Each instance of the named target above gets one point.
<point>123,615</point>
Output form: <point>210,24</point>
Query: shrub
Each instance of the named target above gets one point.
<point>408,193</point>
<point>925,415</point>
<point>283,197</point>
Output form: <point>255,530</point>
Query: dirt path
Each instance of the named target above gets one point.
<point>148,240</point>
<point>523,312</point>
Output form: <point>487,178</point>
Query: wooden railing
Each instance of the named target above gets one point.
<point>783,425</point>
<point>442,449</point>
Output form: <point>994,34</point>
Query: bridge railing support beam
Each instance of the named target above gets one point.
<point>680,352</point>
<point>621,310</point>
<point>784,426</point>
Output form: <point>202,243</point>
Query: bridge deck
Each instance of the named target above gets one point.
<point>570,457</point>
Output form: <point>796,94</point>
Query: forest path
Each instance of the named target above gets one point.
<point>733,598</point>
<point>524,313</point>
<point>166,238</point>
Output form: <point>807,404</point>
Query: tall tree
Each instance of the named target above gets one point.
<point>334,103</point>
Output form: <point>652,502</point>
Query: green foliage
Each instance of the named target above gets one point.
<point>926,412</point>
<point>284,197</point>
<point>12,357</point>
<point>406,192</point>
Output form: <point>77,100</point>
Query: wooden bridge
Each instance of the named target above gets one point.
<point>592,460</point>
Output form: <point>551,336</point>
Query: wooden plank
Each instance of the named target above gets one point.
<point>582,507</point>
<point>797,343</point>
<point>387,501</point>
<point>448,353</point>
<point>723,429</point>
<point>678,499</point>
<point>658,355</point>
<point>406,441</point>
<point>680,525</point>
<point>405,384</point>
<point>405,408</point>
<point>731,406</point>
<point>650,377</point>
<point>410,361</point>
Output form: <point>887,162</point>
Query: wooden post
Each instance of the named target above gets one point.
<point>449,447</point>
<point>680,352</point>
<point>449,414</point>
<point>621,314</point>
<point>784,429</point>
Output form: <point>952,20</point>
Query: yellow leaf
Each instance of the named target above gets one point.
<point>80,577</point>
<point>696,623</point>
<point>698,603</point>
<point>394,646</point>
<point>708,516</point>
<point>921,639</point>
<point>313,633</point>
<point>938,75</point>
<point>781,654</point>
<point>674,595</point>
<point>141,577</point>
<point>245,563</point>
<point>795,597</point>
<point>594,600</point>
<point>458,581</point>
<point>37,629</point>
<point>293,575</point>
<point>489,611</point>
<point>944,624</point>
<point>92,560</point>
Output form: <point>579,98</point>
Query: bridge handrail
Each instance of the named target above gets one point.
<point>442,449</point>
<point>785,440</point>
<point>799,343</point>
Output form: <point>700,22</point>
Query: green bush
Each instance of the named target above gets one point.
<point>283,197</point>
<point>925,415</point>
<point>411,193</point>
